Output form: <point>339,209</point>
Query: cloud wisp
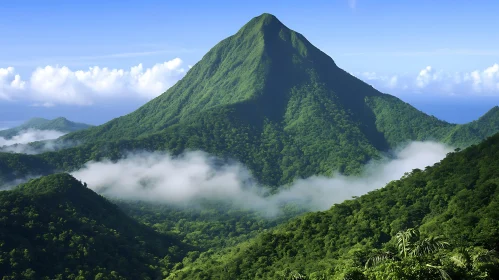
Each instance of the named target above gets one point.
<point>31,135</point>
<point>433,81</point>
<point>20,142</point>
<point>159,177</point>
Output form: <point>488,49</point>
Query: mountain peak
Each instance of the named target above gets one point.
<point>267,18</point>
<point>262,22</point>
<point>493,113</point>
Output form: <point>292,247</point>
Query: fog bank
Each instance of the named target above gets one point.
<point>161,178</point>
<point>19,142</point>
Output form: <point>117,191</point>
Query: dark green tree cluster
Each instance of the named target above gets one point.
<point>56,228</point>
<point>206,224</point>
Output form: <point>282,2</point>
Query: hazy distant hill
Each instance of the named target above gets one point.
<point>59,124</point>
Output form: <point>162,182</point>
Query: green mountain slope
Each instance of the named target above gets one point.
<point>457,199</point>
<point>56,228</point>
<point>270,99</point>
<point>59,124</point>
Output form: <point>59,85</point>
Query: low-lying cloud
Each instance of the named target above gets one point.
<point>160,177</point>
<point>31,135</point>
<point>19,142</point>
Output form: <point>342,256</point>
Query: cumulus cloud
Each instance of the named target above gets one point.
<point>195,175</point>
<point>10,83</point>
<point>431,80</point>
<point>30,135</point>
<point>52,85</point>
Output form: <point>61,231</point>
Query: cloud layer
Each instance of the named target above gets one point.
<point>160,177</point>
<point>52,85</point>
<point>31,135</point>
<point>431,80</point>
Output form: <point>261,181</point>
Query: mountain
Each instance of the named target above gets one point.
<point>59,124</point>
<point>270,99</point>
<point>448,215</point>
<point>56,228</point>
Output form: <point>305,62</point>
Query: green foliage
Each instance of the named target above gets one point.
<point>453,204</point>
<point>56,228</point>
<point>206,225</point>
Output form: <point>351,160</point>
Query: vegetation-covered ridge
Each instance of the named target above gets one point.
<point>439,222</point>
<point>56,228</point>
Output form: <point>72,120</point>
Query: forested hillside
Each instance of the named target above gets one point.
<point>443,220</point>
<point>56,228</point>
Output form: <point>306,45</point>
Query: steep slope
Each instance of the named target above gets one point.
<point>474,131</point>
<point>457,198</point>
<point>59,124</point>
<point>15,168</point>
<point>56,228</point>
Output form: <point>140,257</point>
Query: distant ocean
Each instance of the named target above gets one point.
<point>454,109</point>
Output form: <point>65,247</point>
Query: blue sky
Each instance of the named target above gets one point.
<point>440,56</point>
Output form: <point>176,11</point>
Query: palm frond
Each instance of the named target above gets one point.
<point>379,258</point>
<point>404,240</point>
<point>443,274</point>
<point>428,246</point>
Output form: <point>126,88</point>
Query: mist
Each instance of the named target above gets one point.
<point>159,177</point>
<point>19,143</point>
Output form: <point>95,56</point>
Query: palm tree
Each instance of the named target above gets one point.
<point>379,257</point>
<point>428,246</point>
<point>443,274</point>
<point>470,260</point>
<point>409,245</point>
<point>404,240</point>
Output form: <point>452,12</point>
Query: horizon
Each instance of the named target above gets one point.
<point>96,74</point>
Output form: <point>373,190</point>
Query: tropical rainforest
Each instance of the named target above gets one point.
<point>265,97</point>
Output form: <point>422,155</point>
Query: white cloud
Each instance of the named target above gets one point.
<point>51,85</point>
<point>10,83</point>
<point>30,135</point>
<point>161,177</point>
<point>45,104</point>
<point>430,80</point>
<point>426,76</point>
<point>388,82</point>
